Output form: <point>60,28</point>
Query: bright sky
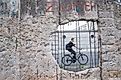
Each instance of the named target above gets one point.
<point>72,25</point>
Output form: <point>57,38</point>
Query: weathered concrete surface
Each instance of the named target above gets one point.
<point>109,25</point>
<point>25,53</point>
<point>24,50</point>
<point>88,74</point>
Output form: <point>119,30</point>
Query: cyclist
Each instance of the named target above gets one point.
<point>69,48</point>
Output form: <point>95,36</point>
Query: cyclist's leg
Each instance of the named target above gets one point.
<point>74,57</point>
<point>73,52</point>
<point>70,50</point>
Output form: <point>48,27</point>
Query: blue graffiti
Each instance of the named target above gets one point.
<point>14,8</point>
<point>8,8</point>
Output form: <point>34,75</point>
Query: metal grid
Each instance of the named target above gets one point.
<point>86,37</point>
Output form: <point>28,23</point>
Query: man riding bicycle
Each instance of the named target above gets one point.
<point>69,48</point>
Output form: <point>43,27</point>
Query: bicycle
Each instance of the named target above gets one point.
<point>68,59</point>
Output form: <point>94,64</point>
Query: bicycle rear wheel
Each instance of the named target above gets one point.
<point>66,60</point>
<point>83,59</point>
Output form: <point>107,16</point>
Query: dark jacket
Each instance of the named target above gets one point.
<point>69,45</point>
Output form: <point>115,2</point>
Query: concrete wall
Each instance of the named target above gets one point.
<point>25,53</point>
<point>109,25</point>
<point>9,8</point>
<point>25,49</point>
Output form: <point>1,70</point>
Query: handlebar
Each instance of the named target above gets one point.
<point>78,48</point>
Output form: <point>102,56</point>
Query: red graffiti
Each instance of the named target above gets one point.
<point>49,7</point>
<point>87,6</point>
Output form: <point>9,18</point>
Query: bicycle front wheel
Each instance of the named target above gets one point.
<point>83,59</point>
<point>66,60</point>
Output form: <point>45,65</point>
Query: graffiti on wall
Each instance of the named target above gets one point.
<point>41,7</point>
<point>14,8</point>
<point>8,8</point>
<point>80,6</point>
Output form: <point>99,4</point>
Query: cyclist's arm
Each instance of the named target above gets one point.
<point>78,48</point>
